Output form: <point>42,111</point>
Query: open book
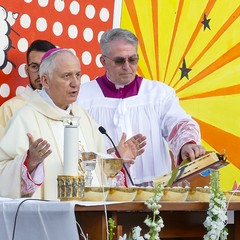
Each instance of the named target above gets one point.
<point>188,168</point>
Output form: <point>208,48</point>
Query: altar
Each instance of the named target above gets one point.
<point>182,220</point>
<point>32,219</point>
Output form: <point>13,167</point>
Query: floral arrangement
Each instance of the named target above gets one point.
<point>155,223</point>
<point>216,220</point>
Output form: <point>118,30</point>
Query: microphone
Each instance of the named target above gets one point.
<point>103,131</point>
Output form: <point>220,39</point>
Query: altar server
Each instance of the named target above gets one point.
<point>123,101</point>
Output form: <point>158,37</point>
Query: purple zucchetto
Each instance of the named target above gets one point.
<point>49,52</point>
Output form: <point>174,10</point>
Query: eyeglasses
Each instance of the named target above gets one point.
<point>133,60</point>
<point>33,67</point>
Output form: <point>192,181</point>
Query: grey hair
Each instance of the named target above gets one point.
<point>48,64</point>
<point>116,34</point>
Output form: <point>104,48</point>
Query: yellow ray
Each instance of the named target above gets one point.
<point>169,31</point>
<point>216,111</point>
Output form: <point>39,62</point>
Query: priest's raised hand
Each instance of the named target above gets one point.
<point>37,152</point>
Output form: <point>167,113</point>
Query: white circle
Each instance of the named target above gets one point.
<point>25,21</point>
<point>74,7</point>
<point>72,31</point>
<point>5,90</point>
<point>8,68</point>
<point>86,58</point>
<point>104,14</point>
<point>98,62</point>
<point>90,11</point>
<point>19,90</point>
<point>88,34</point>
<point>57,28</point>
<point>22,44</point>
<point>41,24</point>
<point>85,78</point>
<point>21,71</point>
<point>43,3</point>
<point>100,35</point>
<point>59,5</point>
<point>27,1</point>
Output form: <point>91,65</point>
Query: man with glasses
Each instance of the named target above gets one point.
<point>34,54</point>
<point>122,101</point>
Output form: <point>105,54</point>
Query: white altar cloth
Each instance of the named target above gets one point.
<point>37,220</point>
<point>40,220</point>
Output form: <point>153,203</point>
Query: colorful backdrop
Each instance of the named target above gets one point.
<point>191,45</point>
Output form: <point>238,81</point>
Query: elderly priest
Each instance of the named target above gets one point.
<point>31,150</point>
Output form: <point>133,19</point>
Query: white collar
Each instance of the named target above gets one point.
<point>116,85</point>
<point>47,98</point>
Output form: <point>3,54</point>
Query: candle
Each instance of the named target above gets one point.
<point>70,156</point>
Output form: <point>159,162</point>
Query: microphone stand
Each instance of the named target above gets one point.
<point>103,131</point>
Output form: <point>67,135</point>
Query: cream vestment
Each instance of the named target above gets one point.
<point>8,108</point>
<point>42,120</point>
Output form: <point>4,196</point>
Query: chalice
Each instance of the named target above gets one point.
<point>111,167</point>
<point>88,160</point>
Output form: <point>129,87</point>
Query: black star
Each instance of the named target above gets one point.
<point>184,70</point>
<point>205,22</point>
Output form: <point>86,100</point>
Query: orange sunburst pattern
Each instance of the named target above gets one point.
<point>194,47</point>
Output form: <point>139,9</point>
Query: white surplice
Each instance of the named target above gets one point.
<point>42,120</point>
<point>155,112</point>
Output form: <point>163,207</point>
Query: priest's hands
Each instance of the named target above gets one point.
<point>37,152</point>
<point>192,151</point>
<point>131,148</point>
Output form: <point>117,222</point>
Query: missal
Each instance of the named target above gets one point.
<point>211,160</point>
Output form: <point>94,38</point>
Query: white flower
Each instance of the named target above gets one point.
<point>147,236</point>
<point>136,233</point>
<point>124,237</point>
<point>155,224</point>
<point>216,220</point>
